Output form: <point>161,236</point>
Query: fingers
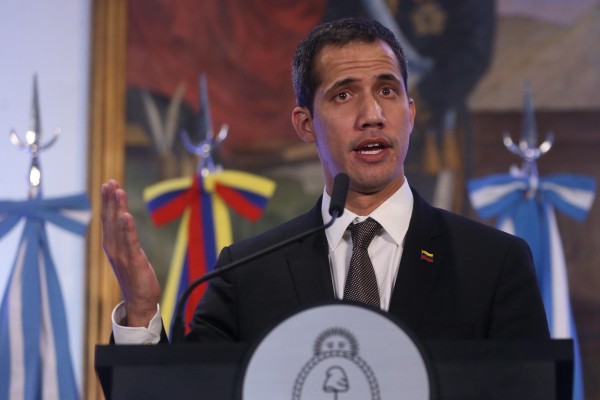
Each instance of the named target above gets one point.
<point>119,238</point>
<point>109,225</point>
<point>127,232</point>
<point>108,212</point>
<point>139,287</point>
<point>129,239</point>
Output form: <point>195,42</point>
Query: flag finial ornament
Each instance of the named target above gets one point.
<point>205,148</point>
<point>33,142</point>
<point>527,148</point>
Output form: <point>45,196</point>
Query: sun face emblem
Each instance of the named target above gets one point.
<point>336,369</point>
<point>336,339</point>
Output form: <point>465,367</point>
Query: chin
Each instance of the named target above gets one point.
<point>374,184</point>
<point>369,187</point>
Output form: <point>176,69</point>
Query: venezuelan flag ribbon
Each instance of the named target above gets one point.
<point>35,361</point>
<point>526,208</point>
<point>205,227</point>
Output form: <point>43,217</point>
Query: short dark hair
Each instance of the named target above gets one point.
<point>337,33</point>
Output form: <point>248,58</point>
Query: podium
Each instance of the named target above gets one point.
<point>464,370</point>
<point>301,360</point>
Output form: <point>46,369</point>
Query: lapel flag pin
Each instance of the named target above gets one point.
<point>427,256</point>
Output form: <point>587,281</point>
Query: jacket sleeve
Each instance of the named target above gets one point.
<point>517,308</point>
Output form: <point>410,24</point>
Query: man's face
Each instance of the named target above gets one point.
<point>362,117</point>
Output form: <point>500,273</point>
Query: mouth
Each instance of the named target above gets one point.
<point>371,147</point>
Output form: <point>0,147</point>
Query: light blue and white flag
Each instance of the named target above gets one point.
<point>525,206</point>
<point>35,362</point>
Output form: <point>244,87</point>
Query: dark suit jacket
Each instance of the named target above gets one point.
<point>480,285</point>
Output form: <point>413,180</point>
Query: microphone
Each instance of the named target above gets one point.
<point>339,193</point>
<point>341,183</point>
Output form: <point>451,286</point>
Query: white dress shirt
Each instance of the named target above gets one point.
<point>386,248</point>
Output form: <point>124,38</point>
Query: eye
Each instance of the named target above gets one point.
<point>342,96</point>
<point>387,91</point>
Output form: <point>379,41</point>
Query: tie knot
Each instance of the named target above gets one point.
<point>364,232</point>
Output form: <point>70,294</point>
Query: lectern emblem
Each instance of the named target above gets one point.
<point>336,371</point>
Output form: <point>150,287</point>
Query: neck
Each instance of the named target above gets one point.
<point>363,203</point>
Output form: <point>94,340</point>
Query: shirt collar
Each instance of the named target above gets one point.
<point>393,215</point>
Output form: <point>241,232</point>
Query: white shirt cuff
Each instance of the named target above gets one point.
<point>135,335</point>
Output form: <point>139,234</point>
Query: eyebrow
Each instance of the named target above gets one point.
<point>341,83</point>
<point>388,77</point>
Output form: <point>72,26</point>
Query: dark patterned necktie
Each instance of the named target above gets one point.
<point>361,283</point>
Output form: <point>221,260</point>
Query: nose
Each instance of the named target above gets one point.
<point>371,114</point>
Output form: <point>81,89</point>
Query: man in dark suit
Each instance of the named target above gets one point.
<point>442,275</point>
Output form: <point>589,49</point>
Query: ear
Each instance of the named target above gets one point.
<point>413,112</point>
<point>303,124</point>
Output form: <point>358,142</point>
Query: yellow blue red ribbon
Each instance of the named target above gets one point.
<point>203,202</point>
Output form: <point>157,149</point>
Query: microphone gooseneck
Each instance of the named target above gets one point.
<point>336,209</point>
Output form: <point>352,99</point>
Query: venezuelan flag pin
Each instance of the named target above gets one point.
<point>427,256</point>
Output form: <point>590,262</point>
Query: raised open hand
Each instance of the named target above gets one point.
<point>139,286</point>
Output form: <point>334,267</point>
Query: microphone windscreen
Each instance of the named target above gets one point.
<point>339,192</point>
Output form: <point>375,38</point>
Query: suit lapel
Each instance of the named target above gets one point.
<point>309,264</point>
<point>422,257</point>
